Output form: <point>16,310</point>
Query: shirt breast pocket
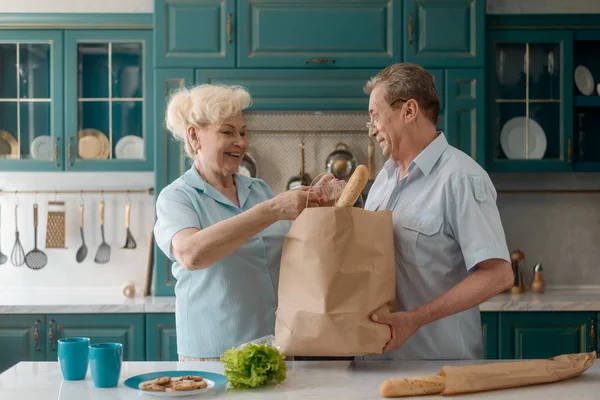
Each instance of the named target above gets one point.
<point>422,232</point>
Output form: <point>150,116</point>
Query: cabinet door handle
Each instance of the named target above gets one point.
<point>569,151</point>
<point>70,152</point>
<point>410,28</point>
<point>51,336</point>
<point>36,336</point>
<point>592,333</point>
<point>229,27</point>
<point>319,61</point>
<point>56,154</point>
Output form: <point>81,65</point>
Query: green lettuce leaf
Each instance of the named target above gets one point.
<point>254,365</point>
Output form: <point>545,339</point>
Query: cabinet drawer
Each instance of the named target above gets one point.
<point>281,89</point>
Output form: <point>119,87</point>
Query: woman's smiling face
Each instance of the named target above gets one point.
<point>222,146</point>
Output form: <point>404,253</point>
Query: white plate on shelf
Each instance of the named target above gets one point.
<point>584,80</point>
<point>514,141</point>
<point>130,147</point>
<point>41,148</point>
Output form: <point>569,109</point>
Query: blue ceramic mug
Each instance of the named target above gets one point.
<point>105,364</point>
<point>73,357</point>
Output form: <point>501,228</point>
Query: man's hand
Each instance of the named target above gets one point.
<point>403,324</point>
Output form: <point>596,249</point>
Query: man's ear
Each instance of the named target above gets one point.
<point>411,110</point>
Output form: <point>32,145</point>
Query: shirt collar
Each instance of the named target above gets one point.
<point>432,153</point>
<point>243,183</point>
<point>425,160</point>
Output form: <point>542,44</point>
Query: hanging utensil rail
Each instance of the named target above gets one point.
<point>149,191</point>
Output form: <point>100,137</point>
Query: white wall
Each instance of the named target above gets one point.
<point>62,269</point>
<point>76,6</point>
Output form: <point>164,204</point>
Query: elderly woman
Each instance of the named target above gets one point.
<point>223,231</point>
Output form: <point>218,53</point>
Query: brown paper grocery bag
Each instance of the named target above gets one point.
<point>337,269</point>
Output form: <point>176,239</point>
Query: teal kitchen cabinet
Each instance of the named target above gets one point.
<point>127,329</point>
<point>529,335</point>
<point>170,161</point>
<point>195,33</point>
<point>297,89</point>
<point>489,329</point>
<point>31,100</point>
<point>319,33</point>
<point>530,108</point>
<point>161,338</point>
<point>447,34</point>
<point>22,338</point>
<point>465,111</point>
<point>108,92</point>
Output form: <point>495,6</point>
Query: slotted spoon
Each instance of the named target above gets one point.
<point>103,253</point>
<point>3,257</point>
<point>36,259</point>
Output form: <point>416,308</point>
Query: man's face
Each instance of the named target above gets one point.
<point>386,124</point>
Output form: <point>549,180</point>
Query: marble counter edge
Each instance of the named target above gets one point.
<point>552,301</point>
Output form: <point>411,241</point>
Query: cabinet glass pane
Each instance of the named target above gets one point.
<point>34,71</point>
<point>93,130</point>
<point>127,132</point>
<point>111,73</point>
<point>544,71</point>
<point>127,70</point>
<point>8,71</point>
<point>36,140</point>
<point>93,70</point>
<point>527,122</point>
<point>9,146</point>
<point>510,71</point>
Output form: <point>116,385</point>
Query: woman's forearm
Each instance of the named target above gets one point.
<point>203,248</point>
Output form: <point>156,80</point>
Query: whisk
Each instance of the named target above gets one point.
<point>17,257</point>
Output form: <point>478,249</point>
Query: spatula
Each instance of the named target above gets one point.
<point>103,253</point>
<point>130,241</point>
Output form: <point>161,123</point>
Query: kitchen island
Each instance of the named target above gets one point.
<point>306,380</point>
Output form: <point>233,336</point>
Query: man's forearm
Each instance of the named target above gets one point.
<point>491,277</point>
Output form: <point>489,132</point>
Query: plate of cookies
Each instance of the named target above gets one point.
<point>176,383</point>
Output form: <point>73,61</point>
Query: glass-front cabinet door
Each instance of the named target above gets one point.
<point>530,101</point>
<point>108,76</point>
<point>31,97</point>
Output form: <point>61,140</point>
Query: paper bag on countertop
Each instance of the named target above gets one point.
<point>503,375</point>
<point>337,269</point>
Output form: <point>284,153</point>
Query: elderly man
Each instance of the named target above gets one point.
<point>451,252</point>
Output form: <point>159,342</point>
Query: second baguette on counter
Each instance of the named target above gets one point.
<point>417,386</point>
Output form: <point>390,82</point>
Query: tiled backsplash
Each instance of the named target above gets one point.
<point>275,142</point>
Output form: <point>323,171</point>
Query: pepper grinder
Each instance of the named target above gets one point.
<point>537,283</point>
<point>518,287</point>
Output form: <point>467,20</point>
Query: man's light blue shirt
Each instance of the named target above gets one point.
<point>234,300</point>
<point>445,222</point>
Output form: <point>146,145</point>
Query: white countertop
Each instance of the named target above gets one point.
<point>315,380</point>
<point>112,301</point>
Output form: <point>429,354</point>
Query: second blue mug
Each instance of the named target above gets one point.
<point>105,364</point>
<point>73,357</point>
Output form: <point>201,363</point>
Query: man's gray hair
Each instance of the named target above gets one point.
<point>408,81</point>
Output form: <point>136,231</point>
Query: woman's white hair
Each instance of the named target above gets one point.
<point>201,105</point>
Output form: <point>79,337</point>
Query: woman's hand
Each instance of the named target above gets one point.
<point>288,205</point>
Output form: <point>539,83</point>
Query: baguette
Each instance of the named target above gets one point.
<point>417,386</point>
<point>354,187</point>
